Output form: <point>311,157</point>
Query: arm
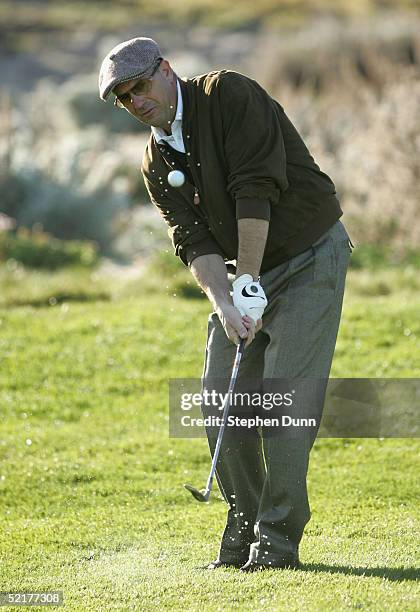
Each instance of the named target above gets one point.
<point>254,146</point>
<point>210,273</point>
<point>190,235</point>
<point>252,235</point>
<point>256,176</point>
<point>252,239</point>
<point>196,247</point>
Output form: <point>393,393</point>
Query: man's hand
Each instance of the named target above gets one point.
<point>210,273</point>
<point>249,297</point>
<point>237,326</point>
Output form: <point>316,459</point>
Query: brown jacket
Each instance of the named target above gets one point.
<point>244,158</point>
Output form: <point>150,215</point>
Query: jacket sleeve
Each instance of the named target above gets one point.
<point>189,234</point>
<point>254,145</point>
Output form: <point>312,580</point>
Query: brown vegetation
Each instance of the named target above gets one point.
<point>352,89</point>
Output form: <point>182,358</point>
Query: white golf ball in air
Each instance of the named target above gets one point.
<point>176,178</point>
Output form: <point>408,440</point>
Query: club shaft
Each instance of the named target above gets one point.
<point>226,406</point>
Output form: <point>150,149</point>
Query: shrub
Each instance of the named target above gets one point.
<point>76,183</point>
<point>37,249</point>
<point>379,256</point>
<point>346,86</point>
<point>87,108</point>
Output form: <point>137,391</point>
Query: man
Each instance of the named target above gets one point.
<point>253,195</point>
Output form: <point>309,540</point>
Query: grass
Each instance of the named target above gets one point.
<point>91,487</point>
<point>24,287</point>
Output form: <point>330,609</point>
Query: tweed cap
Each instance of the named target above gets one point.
<point>130,59</point>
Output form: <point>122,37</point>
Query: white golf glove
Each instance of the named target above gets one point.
<point>249,297</point>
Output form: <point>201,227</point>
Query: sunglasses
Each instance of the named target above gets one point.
<point>140,88</point>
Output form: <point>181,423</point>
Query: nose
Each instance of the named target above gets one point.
<point>138,101</point>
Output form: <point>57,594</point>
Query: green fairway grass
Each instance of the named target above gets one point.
<point>91,486</point>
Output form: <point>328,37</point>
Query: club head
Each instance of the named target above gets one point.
<point>199,496</point>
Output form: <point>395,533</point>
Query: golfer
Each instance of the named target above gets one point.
<point>253,196</point>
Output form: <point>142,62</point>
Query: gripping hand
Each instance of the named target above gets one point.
<point>249,297</point>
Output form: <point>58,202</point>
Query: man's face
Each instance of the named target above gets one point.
<point>157,104</point>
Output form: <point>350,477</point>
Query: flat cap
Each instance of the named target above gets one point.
<point>131,59</point>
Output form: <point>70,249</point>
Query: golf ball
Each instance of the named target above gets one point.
<point>176,178</point>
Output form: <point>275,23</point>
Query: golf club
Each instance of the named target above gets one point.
<point>203,496</point>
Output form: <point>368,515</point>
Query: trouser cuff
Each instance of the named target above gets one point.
<point>234,558</point>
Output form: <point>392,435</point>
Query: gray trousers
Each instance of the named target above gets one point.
<point>263,477</point>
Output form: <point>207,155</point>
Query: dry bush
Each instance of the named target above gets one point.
<point>77,183</point>
<point>370,146</point>
<point>329,53</point>
<point>353,92</point>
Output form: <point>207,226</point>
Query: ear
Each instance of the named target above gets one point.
<point>166,70</point>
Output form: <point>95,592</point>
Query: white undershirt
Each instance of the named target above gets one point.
<point>174,139</point>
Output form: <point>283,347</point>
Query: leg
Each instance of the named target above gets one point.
<point>302,332</point>
<point>240,469</point>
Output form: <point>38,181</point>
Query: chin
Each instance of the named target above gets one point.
<point>143,121</point>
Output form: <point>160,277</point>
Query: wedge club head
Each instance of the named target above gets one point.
<point>201,497</point>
